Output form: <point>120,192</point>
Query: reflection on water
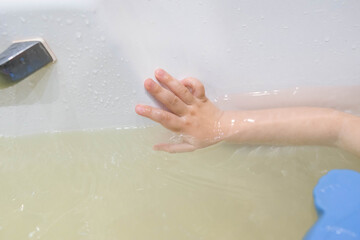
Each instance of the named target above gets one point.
<point>5,83</point>
<point>110,184</point>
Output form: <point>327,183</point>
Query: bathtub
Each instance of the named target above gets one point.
<point>106,49</point>
<point>248,54</point>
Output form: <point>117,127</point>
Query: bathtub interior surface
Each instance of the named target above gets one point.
<point>105,49</point>
<point>110,184</point>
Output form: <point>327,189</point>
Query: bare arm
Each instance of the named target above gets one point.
<point>202,124</point>
<point>294,126</point>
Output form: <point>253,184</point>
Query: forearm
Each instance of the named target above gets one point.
<point>201,124</point>
<point>294,126</point>
<point>349,135</point>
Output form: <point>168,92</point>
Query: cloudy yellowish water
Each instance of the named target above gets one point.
<point>110,184</point>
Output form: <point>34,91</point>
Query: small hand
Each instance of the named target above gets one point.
<point>189,113</point>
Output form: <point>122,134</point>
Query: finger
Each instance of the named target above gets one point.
<point>174,148</point>
<point>174,85</point>
<point>167,119</point>
<point>172,102</point>
<point>195,86</point>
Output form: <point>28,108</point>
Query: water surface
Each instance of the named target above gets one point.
<point>110,184</point>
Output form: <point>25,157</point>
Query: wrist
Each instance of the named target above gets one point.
<point>231,124</point>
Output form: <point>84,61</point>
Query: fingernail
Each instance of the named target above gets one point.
<point>159,72</point>
<point>149,83</point>
<point>139,109</point>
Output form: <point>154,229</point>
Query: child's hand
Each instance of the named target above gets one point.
<point>189,113</point>
<point>201,124</point>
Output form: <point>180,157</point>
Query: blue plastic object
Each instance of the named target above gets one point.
<point>337,202</point>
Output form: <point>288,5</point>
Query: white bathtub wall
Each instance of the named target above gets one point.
<point>106,49</point>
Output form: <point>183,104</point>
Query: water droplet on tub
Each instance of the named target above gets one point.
<point>69,21</point>
<point>23,20</point>
<point>78,35</point>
